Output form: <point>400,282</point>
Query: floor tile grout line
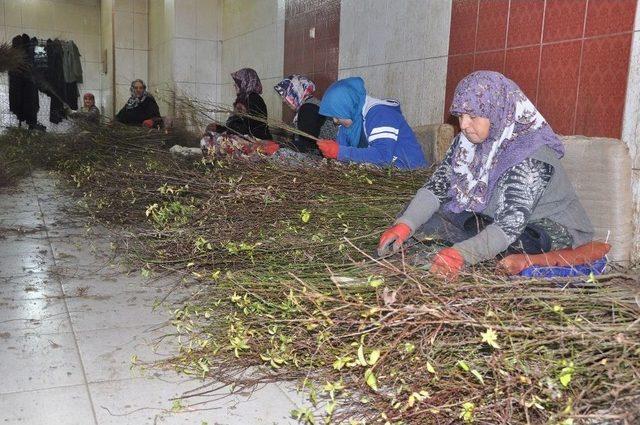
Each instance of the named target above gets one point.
<point>75,339</point>
<point>59,387</point>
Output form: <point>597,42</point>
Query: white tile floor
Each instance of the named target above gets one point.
<point>70,321</point>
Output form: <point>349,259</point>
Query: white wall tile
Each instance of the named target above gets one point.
<point>184,60</point>
<point>13,13</point>
<point>91,75</point>
<point>89,46</point>
<point>207,19</point>
<point>185,19</point>
<point>36,14</point>
<point>207,61</point>
<point>631,121</point>
<point>140,64</point>
<point>123,5</point>
<point>123,27</point>
<point>140,31</point>
<point>124,66</point>
<point>122,95</point>
<point>141,6</point>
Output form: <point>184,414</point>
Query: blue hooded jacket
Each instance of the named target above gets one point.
<point>388,138</point>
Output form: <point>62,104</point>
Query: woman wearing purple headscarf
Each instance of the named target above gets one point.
<point>248,101</point>
<point>501,187</point>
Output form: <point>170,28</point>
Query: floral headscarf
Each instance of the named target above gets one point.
<point>247,81</point>
<point>295,89</point>
<point>135,101</point>
<point>517,131</point>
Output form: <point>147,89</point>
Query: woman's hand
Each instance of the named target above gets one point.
<point>448,263</point>
<point>329,148</point>
<point>393,238</point>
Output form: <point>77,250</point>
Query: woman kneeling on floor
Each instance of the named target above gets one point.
<point>371,130</point>
<point>501,186</point>
<point>297,93</point>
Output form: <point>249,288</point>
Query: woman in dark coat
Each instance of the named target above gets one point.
<point>248,91</point>
<point>141,108</point>
<point>297,93</point>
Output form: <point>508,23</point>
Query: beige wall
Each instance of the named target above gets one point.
<point>184,38</point>
<point>400,49</point>
<point>106,37</point>
<point>253,37</point>
<point>77,20</point>
<point>161,33</point>
<point>131,41</point>
<point>631,127</point>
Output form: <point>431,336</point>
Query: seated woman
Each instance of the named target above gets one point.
<point>141,108</point>
<point>88,112</point>
<point>501,186</point>
<point>297,93</point>
<point>371,130</point>
<point>248,101</point>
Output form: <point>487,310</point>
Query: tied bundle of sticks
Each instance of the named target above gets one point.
<point>285,290</point>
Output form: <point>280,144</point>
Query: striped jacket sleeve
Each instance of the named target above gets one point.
<point>382,130</point>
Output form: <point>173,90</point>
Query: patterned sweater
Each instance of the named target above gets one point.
<point>517,193</point>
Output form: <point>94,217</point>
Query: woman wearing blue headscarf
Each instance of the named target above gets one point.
<point>371,130</point>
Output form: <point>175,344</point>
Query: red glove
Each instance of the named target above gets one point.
<point>448,263</point>
<point>148,123</point>
<point>269,147</point>
<point>393,238</point>
<point>329,148</point>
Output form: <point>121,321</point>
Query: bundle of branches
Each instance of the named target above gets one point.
<point>14,162</point>
<point>387,342</point>
<point>288,292</point>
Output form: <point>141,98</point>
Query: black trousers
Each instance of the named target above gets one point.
<point>452,228</point>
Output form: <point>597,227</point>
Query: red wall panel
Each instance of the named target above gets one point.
<point>570,57</point>
<point>316,57</point>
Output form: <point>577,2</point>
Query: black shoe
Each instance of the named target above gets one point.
<point>37,127</point>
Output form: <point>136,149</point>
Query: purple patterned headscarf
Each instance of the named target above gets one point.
<point>517,131</point>
<point>247,81</point>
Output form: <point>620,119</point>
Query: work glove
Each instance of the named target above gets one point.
<point>584,254</point>
<point>329,148</point>
<point>447,263</point>
<point>268,147</point>
<point>393,238</point>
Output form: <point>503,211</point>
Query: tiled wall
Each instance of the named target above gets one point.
<point>196,45</point>
<point>570,57</point>
<point>400,49</point>
<point>131,41</point>
<point>311,42</point>
<point>77,20</point>
<point>106,37</point>
<point>631,126</point>
<point>253,36</point>
<point>161,33</point>
<point>184,38</point>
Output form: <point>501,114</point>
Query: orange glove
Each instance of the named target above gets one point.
<point>393,238</point>
<point>329,148</point>
<point>268,147</point>
<point>584,254</point>
<point>448,263</point>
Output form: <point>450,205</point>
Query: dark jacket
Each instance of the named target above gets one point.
<point>146,110</point>
<point>24,101</point>
<point>245,125</point>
